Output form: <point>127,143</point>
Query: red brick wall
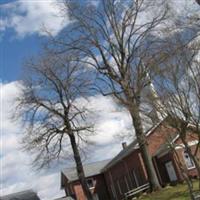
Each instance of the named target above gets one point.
<point>163,176</point>
<point>79,191</point>
<point>124,168</point>
<point>189,137</point>
<point>176,161</point>
<point>122,174</point>
<point>163,171</point>
<point>159,136</point>
<point>100,188</point>
<point>191,172</point>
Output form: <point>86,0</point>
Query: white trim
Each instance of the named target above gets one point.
<point>154,127</point>
<point>136,190</point>
<point>192,143</point>
<point>93,183</point>
<point>149,133</point>
<point>176,138</point>
<point>180,146</point>
<point>190,168</point>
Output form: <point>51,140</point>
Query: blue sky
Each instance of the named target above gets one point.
<point>16,46</point>
<point>14,52</point>
<point>21,36</point>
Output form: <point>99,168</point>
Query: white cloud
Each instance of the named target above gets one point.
<point>109,118</point>
<point>29,17</point>
<point>16,173</point>
<point>112,121</point>
<point>48,186</point>
<point>184,8</point>
<point>3,25</point>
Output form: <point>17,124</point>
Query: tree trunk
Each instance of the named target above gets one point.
<point>185,175</point>
<point>152,176</point>
<point>190,186</point>
<point>194,159</point>
<point>79,168</point>
<point>197,165</point>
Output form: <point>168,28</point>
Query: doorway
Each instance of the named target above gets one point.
<point>171,171</point>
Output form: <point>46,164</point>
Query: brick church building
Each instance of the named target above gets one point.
<point>111,179</point>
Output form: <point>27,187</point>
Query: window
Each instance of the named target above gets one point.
<point>90,183</point>
<point>188,161</point>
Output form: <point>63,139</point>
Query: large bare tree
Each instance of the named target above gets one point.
<point>116,38</point>
<point>178,85</point>
<point>55,123</point>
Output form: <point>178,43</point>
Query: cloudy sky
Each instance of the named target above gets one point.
<point>22,25</point>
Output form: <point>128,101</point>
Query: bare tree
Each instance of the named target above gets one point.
<point>178,87</point>
<point>55,123</point>
<point>183,170</point>
<point>116,38</point>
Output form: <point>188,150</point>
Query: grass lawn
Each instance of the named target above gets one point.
<point>178,192</point>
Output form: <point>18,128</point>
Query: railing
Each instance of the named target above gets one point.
<point>137,190</point>
<point>196,195</point>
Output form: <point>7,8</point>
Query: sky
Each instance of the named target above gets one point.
<point>22,33</point>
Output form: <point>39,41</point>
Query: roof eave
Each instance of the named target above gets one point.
<point>108,166</point>
<point>74,180</point>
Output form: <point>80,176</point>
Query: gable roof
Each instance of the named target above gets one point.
<point>90,169</point>
<point>23,195</point>
<point>129,149</point>
<point>123,153</point>
<point>165,147</point>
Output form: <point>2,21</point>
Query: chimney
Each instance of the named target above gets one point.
<point>124,145</point>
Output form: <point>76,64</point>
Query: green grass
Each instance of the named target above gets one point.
<point>178,192</point>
